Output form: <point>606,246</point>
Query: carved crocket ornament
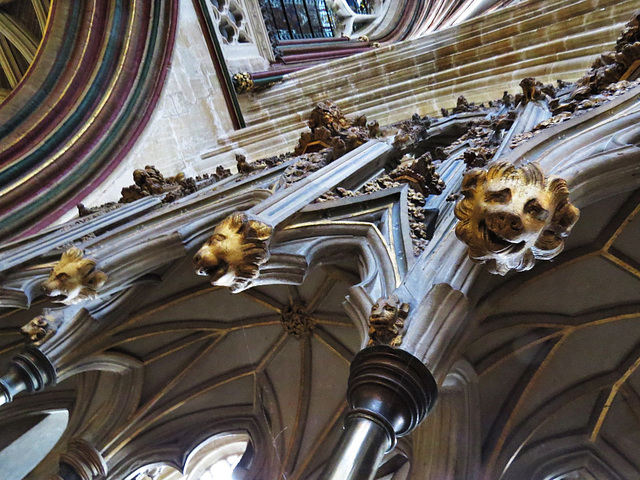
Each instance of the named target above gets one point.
<point>234,253</point>
<point>509,216</point>
<point>387,321</point>
<point>74,277</point>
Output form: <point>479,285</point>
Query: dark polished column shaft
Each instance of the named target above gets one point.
<point>362,446</point>
<point>29,371</point>
<point>389,393</point>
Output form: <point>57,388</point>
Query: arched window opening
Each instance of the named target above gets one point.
<point>223,457</point>
<point>27,440</point>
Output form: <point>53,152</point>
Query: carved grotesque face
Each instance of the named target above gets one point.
<point>233,254</point>
<point>74,277</point>
<point>386,320</point>
<point>510,216</point>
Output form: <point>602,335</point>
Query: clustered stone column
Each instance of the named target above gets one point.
<point>389,393</point>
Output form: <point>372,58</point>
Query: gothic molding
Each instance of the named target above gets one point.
<point>456,415</point>
<point>597,153</point>
<point>437,327</point>
<point>142,450</point>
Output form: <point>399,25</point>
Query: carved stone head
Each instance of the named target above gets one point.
<point>234,253</point>
<point>511,216</point>
<point>74,277</point>
<point>386,321</point>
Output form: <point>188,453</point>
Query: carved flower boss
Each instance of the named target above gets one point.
<point>511,216</point>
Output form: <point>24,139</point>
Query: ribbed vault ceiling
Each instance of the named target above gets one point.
<point>558,351</point>
<point>22,25</point>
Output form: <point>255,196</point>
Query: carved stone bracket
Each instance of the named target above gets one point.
<point>74,277</point>
<point>387,321</point>
<point>234,253</point>
<point>509,216</point>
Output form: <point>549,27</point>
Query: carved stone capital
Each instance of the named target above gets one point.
<point>392,387</point>
<point>74,277</point>
<point>234,253</point>
<point>85,461</point>
<point>387,321</point>
<point>509,216</point>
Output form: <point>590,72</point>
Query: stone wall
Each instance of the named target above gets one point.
<point>480,59</point>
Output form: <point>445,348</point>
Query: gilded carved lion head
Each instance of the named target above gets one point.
<point>511,216</point>
<point>233,254</point>
<point>74,277</point>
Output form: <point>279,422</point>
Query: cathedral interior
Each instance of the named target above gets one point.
<point>319,240</point>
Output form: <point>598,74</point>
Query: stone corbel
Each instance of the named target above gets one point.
<point>40,329</point>
<point>240,243</point>
<point>387,321</point>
